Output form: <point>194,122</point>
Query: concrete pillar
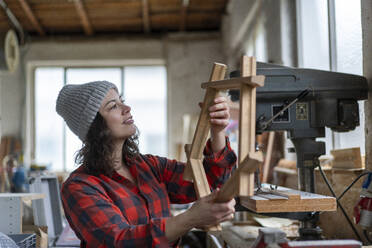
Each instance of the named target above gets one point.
<point>367,72</point>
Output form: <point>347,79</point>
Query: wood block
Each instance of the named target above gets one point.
<point>297,201</point>
<point>347,158</point>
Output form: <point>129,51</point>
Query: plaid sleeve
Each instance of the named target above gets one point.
<point>98,222</point>
<point>218,168</point>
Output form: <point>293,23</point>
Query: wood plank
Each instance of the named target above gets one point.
<point>269,150</point>
<point>203,125</point>
<point>247,123</point>
<point>88,29</point>
<point>145,16</point>
<point>347,158</point>
<point>297,201</point>
<point>31,16</point>
<point>235,83</point>
<point>200,137</point>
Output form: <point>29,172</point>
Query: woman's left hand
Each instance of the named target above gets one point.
<point>219,114</point>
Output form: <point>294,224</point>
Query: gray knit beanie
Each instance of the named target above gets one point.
<point>78,104</point>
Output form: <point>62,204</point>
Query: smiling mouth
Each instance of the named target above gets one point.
<point>129,121</point>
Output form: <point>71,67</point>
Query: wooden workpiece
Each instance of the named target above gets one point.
<point>241,182</point>
<point>195,152</point>
<point>284,199</point>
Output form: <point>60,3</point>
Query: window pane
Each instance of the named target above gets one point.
<point>314,43</point>
<point>79,76</point>
<point>145,92</point>
<point>48,124</point>
<point>85,75</point>
<point>313,32</point>
<point>349,60</point>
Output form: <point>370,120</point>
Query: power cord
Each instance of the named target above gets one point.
<point>339,198</point>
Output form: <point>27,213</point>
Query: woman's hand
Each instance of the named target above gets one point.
<point>202,214</point>
<point>205,212</point>
<point>219,113</point>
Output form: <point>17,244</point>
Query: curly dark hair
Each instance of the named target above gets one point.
<point>97,150</point>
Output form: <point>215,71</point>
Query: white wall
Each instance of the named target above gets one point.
<point>12,96</point>
<point>189,61</point>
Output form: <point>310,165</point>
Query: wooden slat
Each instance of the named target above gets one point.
<point>145,16</point>
<point>31,16</point>
<point>269,150</point>
<point>247,124</point>
<point>203,125</point>
<point>235,83</point>
<point>200,183</point>
<point>88,29</point>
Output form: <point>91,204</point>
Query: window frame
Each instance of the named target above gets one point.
<point>31,66</point>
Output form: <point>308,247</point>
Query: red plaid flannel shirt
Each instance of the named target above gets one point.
<point>113,212</point>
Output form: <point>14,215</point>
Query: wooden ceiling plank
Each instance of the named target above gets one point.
<point>88,29</point>
<point>145,16</point>
<point>184,4</point>
<point>31,16</point>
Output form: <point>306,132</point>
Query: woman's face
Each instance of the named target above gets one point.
<point>117,116</point>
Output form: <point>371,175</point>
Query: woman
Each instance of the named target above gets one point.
<point>121,198</point>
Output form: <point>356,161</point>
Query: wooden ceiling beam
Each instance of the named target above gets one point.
<point>146,16</point>
<point>183,16</point>
<point>31,16</point>
<point>88,29</point>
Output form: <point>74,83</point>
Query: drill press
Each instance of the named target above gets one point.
<point>303,102</point>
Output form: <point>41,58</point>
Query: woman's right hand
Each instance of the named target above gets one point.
<point>205,212</point>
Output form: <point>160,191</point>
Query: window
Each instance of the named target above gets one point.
<point>330,38</point>
<point>142,86</point>
<point>349,59</point>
